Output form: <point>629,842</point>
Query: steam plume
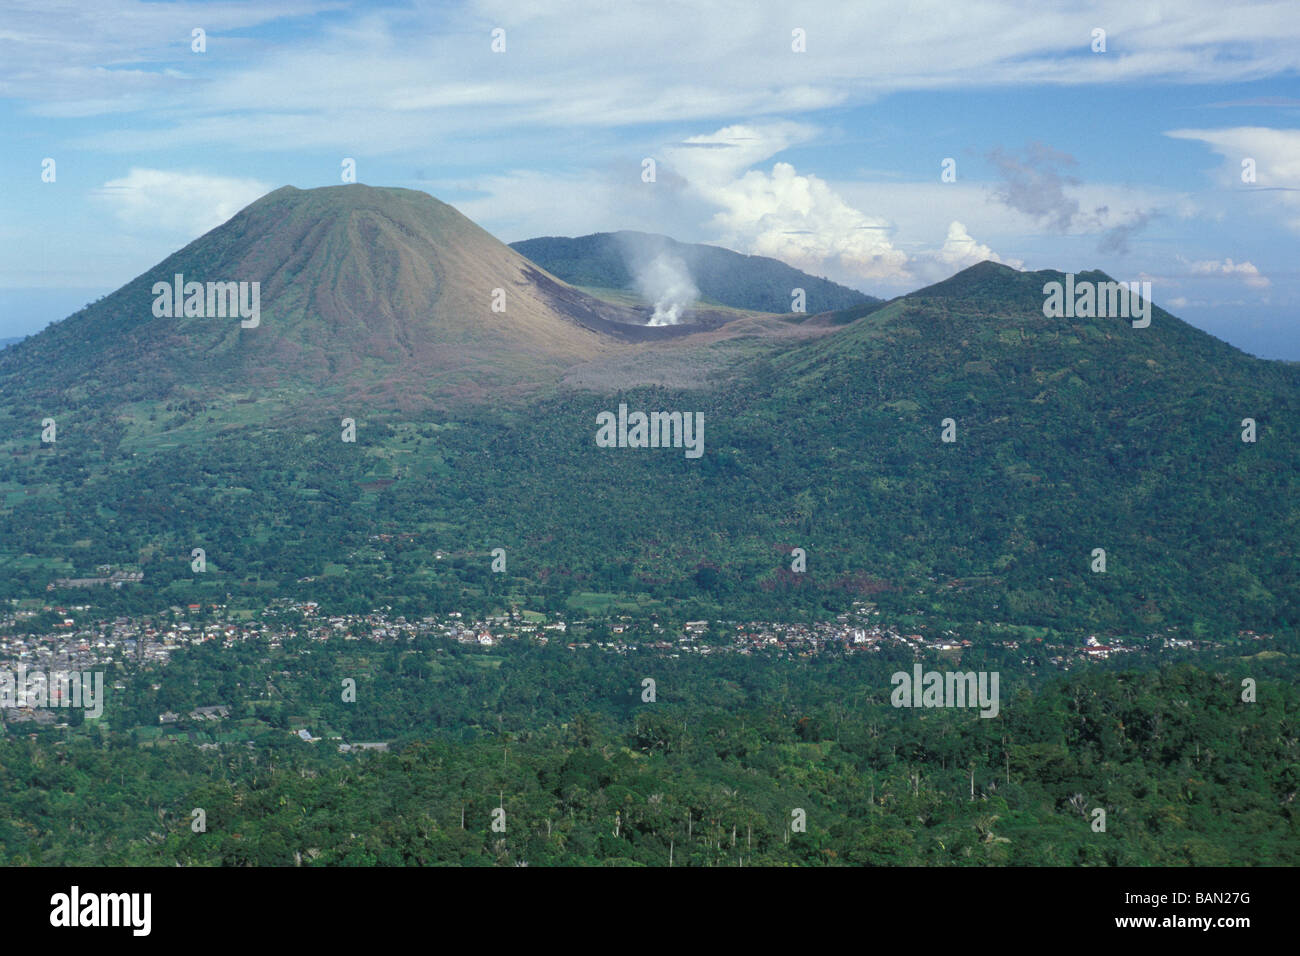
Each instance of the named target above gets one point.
<point>666,281</point>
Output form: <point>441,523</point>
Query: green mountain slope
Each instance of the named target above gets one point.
<point>1071,435</point>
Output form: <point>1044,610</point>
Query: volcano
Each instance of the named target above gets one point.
<point>376,294</point>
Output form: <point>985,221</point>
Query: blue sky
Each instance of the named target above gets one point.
<point>1128,160</point>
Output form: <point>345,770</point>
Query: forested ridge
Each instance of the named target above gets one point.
<point>713,771</point>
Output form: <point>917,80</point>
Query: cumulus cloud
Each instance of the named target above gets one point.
<point>1245,271</point>
<point>960,250</point>
<point>186,204</point>
<point>796,218</point>
<point>804,220</point>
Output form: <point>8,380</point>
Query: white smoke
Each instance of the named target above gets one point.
<point>666,281</point>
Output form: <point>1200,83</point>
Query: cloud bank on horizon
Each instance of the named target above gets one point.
<point>885,146</point>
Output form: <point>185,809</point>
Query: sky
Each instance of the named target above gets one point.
<point>883,145</point>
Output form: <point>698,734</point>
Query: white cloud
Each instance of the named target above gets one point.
<point>186,204</point>
<point>798,219</point>
<point>923,211</point>
<point>348,76</point>
<point>707,191</point>
<point>1276,155</point>
<point>715,159</point>
<point>70,59</point>
<point>803,221</point>
<point>1245,271</point>
<point>961,250</point>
